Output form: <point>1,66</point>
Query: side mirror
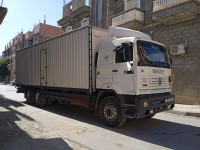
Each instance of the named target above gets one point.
<point>127,52</point>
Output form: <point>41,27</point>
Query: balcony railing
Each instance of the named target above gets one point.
<point>127,16</point>
<point>162,4</point>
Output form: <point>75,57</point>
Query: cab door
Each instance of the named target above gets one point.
<point>104,68</point>
<point>123,72</point>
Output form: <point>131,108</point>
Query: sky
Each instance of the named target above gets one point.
<point>23,14</point>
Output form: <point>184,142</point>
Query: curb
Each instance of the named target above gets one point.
<point>191,114</point>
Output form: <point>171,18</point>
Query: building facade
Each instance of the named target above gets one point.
<point>75,15</point>
<point>40,33</point>
<point>17,44</point>
<point>175,23</point>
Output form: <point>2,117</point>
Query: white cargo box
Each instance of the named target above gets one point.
<point>66,61</point>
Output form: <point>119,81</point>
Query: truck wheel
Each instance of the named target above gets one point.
<point>40,100</point>
<point>29,96</point>
<point>149,117</point>
<point>110,112</point>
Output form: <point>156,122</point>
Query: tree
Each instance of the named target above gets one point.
<point>4,67</point>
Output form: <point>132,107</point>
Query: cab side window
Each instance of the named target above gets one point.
<point>119,56</point>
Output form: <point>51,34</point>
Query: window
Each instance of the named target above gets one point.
<point>119,56</point>
<point>151,54</point>
<point>120,53</point>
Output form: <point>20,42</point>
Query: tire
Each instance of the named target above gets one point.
<point>49,102</point>
<point>29,96</point>
<point>110,112</point>
<point>149,117</point>
<point>40,100</point>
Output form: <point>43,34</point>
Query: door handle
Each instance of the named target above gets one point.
<point>115,71</point>
<point>129,72</point>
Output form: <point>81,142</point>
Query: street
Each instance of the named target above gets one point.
<point>70,127</point>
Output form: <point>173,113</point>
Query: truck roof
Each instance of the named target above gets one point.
<point>123,32</point>
<point>118,41</point>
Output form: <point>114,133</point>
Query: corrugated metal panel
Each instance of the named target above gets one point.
<point>98,35</point>
<point>67,60</point>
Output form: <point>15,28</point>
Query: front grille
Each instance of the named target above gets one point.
<point>155,81</point>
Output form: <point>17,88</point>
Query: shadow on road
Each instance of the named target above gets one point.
<point>12,137</point>
<point>159,132</point>
<point>164,133</point>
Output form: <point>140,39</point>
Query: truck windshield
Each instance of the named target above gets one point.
<point>151,54</point>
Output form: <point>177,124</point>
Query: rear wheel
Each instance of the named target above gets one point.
<point>40,100</point>
<point>29,96</point>
<point>110,112</point>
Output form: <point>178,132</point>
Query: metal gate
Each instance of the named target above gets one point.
<point>43,67</point>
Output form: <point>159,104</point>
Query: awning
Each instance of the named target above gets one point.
<point>3,12</point>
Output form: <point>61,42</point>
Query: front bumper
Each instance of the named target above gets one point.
<point>156,104</point>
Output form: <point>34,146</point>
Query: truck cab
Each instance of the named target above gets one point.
<point>138,71</point>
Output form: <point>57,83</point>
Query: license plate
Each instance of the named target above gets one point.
<point>169,100</point>
<point>155,102</point>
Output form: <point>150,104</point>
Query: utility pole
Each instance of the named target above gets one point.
<point>1,3</point>
<point>44,27</point>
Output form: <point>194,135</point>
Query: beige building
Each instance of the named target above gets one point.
<point>175,23</point>
<point>75,15</point>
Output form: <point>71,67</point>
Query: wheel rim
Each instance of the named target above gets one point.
<point>110,112</point>
<point>38,98</point>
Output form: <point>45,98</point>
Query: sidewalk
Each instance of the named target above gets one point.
<point>186,110</point>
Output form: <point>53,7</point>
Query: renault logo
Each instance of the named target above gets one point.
<point>159,81</point>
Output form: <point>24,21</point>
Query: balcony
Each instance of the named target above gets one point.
<point>66,21</point>
<point>3,12</point>
<point>132,19</point>
<point>81,13</point>
<point>175,11</point>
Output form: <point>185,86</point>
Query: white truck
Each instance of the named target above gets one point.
<point>120,73</point>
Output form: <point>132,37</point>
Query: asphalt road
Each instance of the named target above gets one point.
<point>69,127</point>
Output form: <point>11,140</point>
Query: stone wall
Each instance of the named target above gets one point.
<point>186,68</point>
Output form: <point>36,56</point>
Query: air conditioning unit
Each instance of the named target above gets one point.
<point>68,29</point>
<point>85,22</point>
<point>177,49</point>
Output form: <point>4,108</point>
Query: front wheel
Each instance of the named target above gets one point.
<point>110,112</point>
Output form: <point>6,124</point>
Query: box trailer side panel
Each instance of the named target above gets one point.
<point>98,36</point>
<point>66,61</point>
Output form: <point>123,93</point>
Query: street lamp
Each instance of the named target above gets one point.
<point>3,12</point>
